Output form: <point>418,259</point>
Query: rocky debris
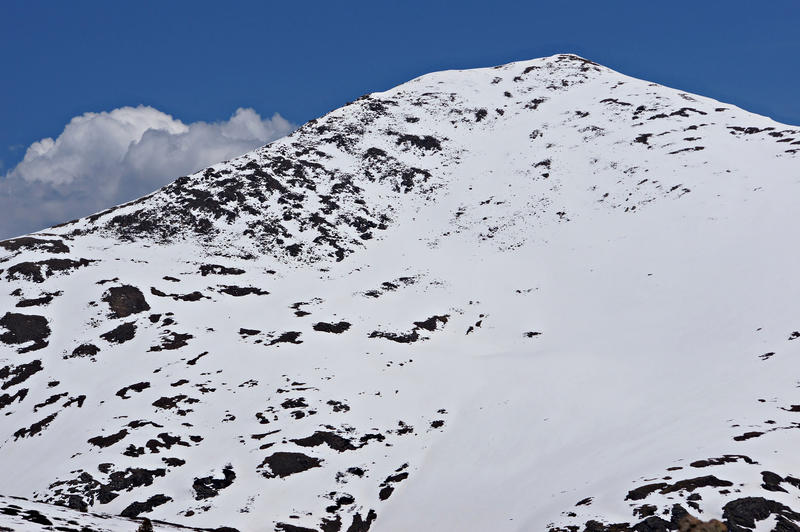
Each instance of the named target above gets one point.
<point>298,402</point>
<point>24,328</point>
<point>336,328</point>
<point>340,500</point>
<point>79,399</point>
<point>7,399</point>
<point>85,490</point>
<point>432,323</point>
<point>362,524</point>
<point>748,435</point>
<point>332,440</point>
<point>742,514</point>
<point>84,350</point>
<point>642,492</point>
<point>172,340</point>
<point>298,311</point>
<point>691,484</point>
<point>13,375</point>
<point>208,487</point>
<point>169,403</point>
<point>165,441</point>
<point>400,338</point>
<point>287,527</point>
<point>387,486</point>
<point>107,441</point>
<point>772,481</point>
<point>45,299</point>
<point>724,459</point>
<point>391,286</point>
<point>283,464</point>
<point>424,143</point>
<point>47,402</point>
<point>193,296</point>
<point>41,270</point>
<point>338,406</point>
<point>121,333</point>
<point>35,517</point>
<point>239,291</point>
<point>136,508</point>
<point>29,243</point>
<point>217,269</point>
<point>35,428</point>
<point>125,300</point>
<point>193,361</point>
<point>138,387</point>
<point>289,337</point>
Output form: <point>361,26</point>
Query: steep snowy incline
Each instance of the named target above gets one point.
<point>538,296</point>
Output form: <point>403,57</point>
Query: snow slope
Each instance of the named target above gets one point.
<point>540,296</point>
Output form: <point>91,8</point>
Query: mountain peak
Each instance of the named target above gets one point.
<point>467,302</point>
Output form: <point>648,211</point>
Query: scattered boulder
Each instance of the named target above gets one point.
<point>125,300</point>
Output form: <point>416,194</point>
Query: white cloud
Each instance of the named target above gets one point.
<point>103,159</point>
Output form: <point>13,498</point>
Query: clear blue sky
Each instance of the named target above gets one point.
<point>201,60</point>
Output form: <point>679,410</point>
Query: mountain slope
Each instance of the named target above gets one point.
<point>469,302</point>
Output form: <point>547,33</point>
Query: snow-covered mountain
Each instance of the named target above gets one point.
<point>540,296</point>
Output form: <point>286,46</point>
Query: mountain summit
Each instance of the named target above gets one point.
<point>540,296</point>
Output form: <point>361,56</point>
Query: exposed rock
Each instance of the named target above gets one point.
<point>216,269</point>
<point>84,350</point>
<point>136,508</point>
<point>332,440</point>
<point>283,464</point>
<point>107,441</point>
<point>39,271</point>
<point>13,375</point>
<point>37,244</point>
<point>240,291</point>
<point>24,328</point>
<point>121,333</point>
<point>207,487</point>
<point>336,328</point>
<point>125,300</point>
<point>742,514</point>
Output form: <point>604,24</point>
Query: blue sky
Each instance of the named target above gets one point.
<point>201,61</point>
